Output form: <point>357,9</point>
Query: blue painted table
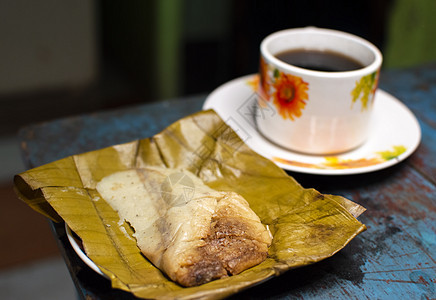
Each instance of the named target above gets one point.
<point>393,259</point>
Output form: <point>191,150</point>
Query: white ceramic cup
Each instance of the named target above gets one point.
<point>316,112</point>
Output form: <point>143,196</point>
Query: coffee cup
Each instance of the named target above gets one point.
<point>316,89</point>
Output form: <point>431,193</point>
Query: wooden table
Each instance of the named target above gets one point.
<point>393,259</point>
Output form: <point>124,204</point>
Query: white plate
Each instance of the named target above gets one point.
<point>78,249</point>
<point>394,135</point>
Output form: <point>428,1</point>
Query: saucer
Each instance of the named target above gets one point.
<point>394,134</point>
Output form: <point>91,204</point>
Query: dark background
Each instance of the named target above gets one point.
<point>210,59</point>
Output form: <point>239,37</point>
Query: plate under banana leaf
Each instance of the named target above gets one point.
<point>306,226</point>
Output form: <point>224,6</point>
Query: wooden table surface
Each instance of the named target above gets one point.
<point>393,259</point>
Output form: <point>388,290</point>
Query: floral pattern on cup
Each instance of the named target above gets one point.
<point>287,92</point>
<point>335,162</point>
<point>365,88</point>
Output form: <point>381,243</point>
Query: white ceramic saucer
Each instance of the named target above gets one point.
<point>395,133</point>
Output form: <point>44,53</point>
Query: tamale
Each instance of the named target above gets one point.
<point>191,232</point>
<point>307,226</point>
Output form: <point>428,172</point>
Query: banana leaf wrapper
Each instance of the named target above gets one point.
<point>306,226</point>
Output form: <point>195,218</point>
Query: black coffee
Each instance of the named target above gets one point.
<point>327,61</point>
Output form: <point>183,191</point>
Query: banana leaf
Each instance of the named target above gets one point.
<point>306,226</point>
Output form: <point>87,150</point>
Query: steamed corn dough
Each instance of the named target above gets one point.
<point>188,230</point>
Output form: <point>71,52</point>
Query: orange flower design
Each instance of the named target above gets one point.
<point>287,92</point>
<point>254,83</point>
<point>263,74</point>
<point>290,95</point>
